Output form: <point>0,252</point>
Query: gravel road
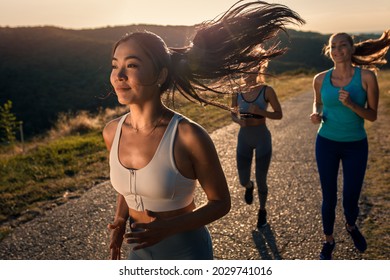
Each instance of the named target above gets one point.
<point>77,230</point>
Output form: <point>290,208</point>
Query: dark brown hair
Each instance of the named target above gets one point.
<point>369,53</point>
<point>220,50</point>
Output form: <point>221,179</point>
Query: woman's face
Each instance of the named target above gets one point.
<point>251,79</point>
<point>341,49</point>
<point>132,76</point>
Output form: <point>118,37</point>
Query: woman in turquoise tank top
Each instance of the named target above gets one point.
<point>344,97</point>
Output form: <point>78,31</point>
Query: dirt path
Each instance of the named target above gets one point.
<point>77,229</point>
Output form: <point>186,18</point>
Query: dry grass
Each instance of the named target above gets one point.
<point>80,123</point>
<point>83,122</point>
<point>288,86</point>
<point>376,196</point>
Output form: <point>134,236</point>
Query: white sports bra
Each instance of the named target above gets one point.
<point>158,186</point>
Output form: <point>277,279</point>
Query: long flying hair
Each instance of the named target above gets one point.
<point>221,49</point>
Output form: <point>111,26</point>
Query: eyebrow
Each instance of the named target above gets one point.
<point>339,42</point>
<point>129,57</point>
<point>343,40</point>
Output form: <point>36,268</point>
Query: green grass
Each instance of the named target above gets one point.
<point>46,172</point>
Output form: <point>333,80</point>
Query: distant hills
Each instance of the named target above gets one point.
<point>47,70</point>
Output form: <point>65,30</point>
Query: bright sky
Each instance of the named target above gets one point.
<point>324,16</point>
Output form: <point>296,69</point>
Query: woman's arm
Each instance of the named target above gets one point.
<point>210,175</point>
<point>118,227</point>
<point>370,84</point>
<point>234,106</point>
<point>316,116</point>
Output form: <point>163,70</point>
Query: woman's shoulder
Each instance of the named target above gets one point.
<point>319,78</point>
<point>367,74</point>
<point>266,88</point>
<point>190,131</point>
<point>321,75</point>
<point>110,128</point>
<point>189,125</point>
<point>113,123</point>
<point>194,139</point>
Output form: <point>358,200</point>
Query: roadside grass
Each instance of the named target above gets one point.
<point>72,158</point>
<point>375,194</point>
<point>47,172</point>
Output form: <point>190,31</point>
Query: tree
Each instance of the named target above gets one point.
<point>8,124</point>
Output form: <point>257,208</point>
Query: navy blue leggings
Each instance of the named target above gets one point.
<point>250,139</point>
<point>353,156</point>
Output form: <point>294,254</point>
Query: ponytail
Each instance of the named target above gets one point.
<point>371,53</point>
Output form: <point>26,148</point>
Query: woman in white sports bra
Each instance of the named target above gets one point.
<point>157,156</point>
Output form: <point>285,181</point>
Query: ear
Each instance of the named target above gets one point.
<point>162,76</point>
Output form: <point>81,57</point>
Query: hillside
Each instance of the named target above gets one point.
<point>48,70</point>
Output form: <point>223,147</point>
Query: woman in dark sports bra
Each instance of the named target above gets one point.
<point>251,107</point>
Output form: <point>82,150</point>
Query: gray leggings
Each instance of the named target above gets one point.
<point>190,245</point>
<point>250,139</point>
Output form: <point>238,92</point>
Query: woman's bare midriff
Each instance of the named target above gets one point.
<point>254,122</point>
<point>142,217</point>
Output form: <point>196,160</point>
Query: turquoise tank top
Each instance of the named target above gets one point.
<point>340,123</point>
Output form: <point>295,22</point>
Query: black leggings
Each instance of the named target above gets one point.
<point>250,139</point>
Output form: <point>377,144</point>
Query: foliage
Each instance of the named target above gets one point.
<point>8,124</point>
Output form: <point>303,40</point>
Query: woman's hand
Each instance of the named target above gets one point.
<point>117,229</point>
<point>315,118</point>
<point>235,117</point>
<point>344,98</point>
<point>148,234</point>
<point>238,120</point>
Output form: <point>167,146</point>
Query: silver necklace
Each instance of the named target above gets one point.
<point>137,129</point>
